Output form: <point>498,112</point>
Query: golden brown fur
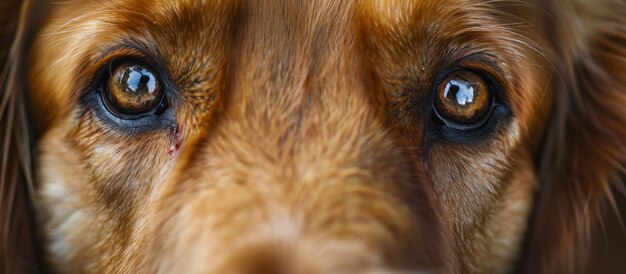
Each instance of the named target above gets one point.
<point>299,136</point>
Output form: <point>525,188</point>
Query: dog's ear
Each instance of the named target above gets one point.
<point>583,158</point>
<point>18,244</point>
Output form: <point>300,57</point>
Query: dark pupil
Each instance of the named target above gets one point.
<point>138,80</point>
<point>460,92</point>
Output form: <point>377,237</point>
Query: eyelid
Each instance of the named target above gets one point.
<point>117,54</point>
<point>486,66</point>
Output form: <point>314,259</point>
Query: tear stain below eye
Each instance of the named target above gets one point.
<point>178,138</point>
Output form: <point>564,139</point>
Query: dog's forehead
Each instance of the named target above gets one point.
<point>295,18</point>
<point>287,20</point>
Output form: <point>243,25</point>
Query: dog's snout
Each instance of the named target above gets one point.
<point>350,222</point>
<point>279,256</point>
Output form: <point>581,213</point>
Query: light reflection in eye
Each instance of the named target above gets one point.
<point>462,90</point>
<point>138,79</point>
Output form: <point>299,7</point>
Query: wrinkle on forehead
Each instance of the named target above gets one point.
<point>286,41</point>
<point>289,56</point>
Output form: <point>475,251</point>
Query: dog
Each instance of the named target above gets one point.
<point>322,136</point>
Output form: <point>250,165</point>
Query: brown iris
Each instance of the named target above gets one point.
<point>133,88</point>
<point>463,97</point>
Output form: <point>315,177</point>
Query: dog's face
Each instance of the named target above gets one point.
<point>288,136</point>
<point>299,136</point>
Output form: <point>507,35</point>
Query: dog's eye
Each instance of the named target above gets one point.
<point>132,89</point>
<point>463,100</point>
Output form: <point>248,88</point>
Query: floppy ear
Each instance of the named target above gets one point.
<point>583,157</point>
<point>18,244</point>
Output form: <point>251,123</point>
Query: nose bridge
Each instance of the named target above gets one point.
<point>294,71</point>
<point>286,49</point>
